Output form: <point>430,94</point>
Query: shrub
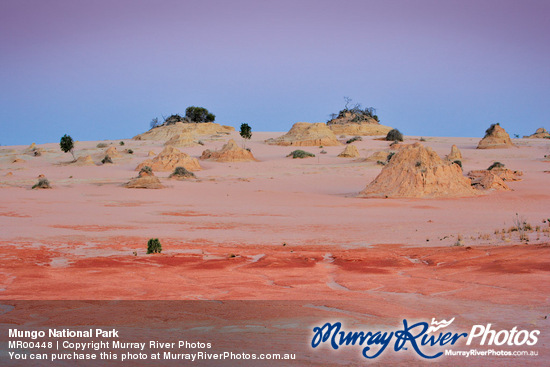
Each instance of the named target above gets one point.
<point>459,162</point>
<point>130,151</point>
<point>42,183</point>
<point>394,135</point>
<point>121,143</point>
<point>358,114</point>
<point>182,172</point>
<point>198,114</point>
<point>107,159</point>
<point>172,119</point>
<point>246,131</point>
<point>146,169</point>
<point>102,145</point>
<point>300,154</point>
<point>67,145</point>
<point>495,165</point>
<point>154,246</point>
<point>355,138</point>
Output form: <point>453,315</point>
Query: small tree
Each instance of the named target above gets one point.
<point>246,131</point>
<point>198,114</point>
<point>67,145</point>
<point>154,246</point>
<point>155,123</point>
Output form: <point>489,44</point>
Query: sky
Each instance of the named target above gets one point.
<point>103,69</point>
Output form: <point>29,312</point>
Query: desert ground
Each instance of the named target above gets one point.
<point>280,229</point>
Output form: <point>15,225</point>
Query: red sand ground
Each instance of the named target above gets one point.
<point>279,229</point>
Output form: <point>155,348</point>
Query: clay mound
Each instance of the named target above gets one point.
<point>306,134</point>
<point>353,124</point>
<point>181,140</point>
<point>31,147</point>
<point>112,152</point>
<point>350,152</point>
<point>455,154</point>
<point>167,132</point>
<point>84,161</point>
<point>180,173</point>
<point>9,174</point>
<point>487,180</point>
<point>169,159</point>
<point>230,152</point>
<point>541,133</point>
<point>380,156</point>
<point>507,174</point>
<point>418,172</point>
<point>145,180</point>
<point>495,138</point>
<point>17,160</point>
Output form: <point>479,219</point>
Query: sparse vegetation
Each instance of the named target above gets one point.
<point>42,183</point>
<point>182,172</point>
<point>300,154</point>
<point>394,135</point>
<point>193,114</point>
<point>495,165</point>
<point>155,123</point>
<point>146,169</point>
<point>102,145</point>
<point>522,227</point>
<point>355,138</point>
<point>154,246</point>
<point>67,145</point>
<point>355,114</point>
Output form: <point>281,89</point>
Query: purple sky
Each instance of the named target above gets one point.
<point>104,69</point>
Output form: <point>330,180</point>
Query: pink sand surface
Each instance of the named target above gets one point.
<point>278,229</point>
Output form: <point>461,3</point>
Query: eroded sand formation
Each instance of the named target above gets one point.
<point>418,172</point>
<point>169,159</point>
<point>182,141</point>
<point>146,180</point>
<point>230,152</point>
<point>307,134</point>
<point>167,132</point>
<point>350,152</point>
<point>495,138</point>
<point>347,124</point>
<point>455,154</point>
<point>84,161</point>
<point>541,133</point>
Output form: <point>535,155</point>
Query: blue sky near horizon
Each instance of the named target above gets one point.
<point>103,69</point>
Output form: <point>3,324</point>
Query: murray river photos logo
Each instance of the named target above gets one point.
<point>427,340</point>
